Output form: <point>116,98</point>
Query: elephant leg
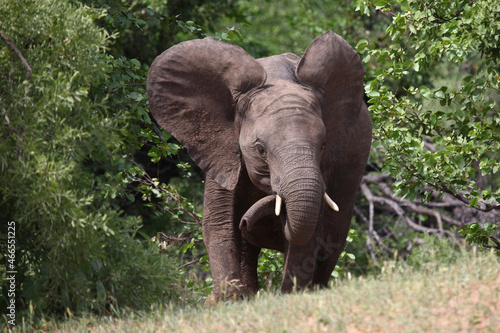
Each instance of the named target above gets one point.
<point>223,242</point>
<point>331,243</point>
<point>249,259</point>
<point>314,263</point>
<point>301,261</point>
<point>327,258</point>
<point>300,264</point>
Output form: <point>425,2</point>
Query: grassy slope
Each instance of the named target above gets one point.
<point>459,297</point>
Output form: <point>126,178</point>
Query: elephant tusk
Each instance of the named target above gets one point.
<point>277,210</point>
<point>330,202</point>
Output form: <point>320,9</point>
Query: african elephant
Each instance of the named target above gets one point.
<point>278,138</point>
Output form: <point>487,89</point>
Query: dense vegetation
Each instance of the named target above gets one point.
<point>107,206</point>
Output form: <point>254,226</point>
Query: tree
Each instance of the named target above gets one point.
<point>433,91</point>
<point>75,250</point>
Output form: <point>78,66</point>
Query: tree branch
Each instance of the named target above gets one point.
<point>13,47</point>
<point>481,205</point>
<point>494,240</point>
<point>147,180</point>
<point>455,16</point>
<point>397,209</point>
<point>372,235</point>
<point>189,263</point>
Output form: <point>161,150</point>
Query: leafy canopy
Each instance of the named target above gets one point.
<point>75,249</point>
<point>442,137</point>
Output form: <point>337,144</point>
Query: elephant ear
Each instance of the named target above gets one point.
<point>331,67</point>
<point>192,89</point>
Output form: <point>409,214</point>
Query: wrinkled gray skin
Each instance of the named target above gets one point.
<point>285,125</point>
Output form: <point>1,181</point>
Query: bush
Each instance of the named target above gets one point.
<point>74,249</point>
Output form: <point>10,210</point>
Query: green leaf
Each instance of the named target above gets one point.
<point>425,91</point>
<point>101,290</point>
<point>459,161</point>
<point>136,63</point>
<point>362,44</point>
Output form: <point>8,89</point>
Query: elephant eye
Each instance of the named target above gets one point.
<point>260,148</point>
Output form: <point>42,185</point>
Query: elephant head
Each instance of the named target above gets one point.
<point>281,118</point>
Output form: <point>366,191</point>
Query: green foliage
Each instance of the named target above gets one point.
<point>146,28</point>
<point>279,26</point>
<point>270,269</point>
<point>446,136</point>
<point>485,236</point>
<point>435,252</point>
<point>75,249</point>
<point>346,258</point>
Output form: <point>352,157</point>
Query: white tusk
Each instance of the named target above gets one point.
<point>330,202</point>
<point>277,210</point>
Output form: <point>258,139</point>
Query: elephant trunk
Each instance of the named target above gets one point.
<point>303,190</point>
<point>263,207</point>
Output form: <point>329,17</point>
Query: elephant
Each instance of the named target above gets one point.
<point>283,142</point>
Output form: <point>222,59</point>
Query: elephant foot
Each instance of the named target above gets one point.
<point>213,299</point>
<point>210,301</point>
<point>231,290</point>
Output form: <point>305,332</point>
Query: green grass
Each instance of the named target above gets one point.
<point>439,296</point>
